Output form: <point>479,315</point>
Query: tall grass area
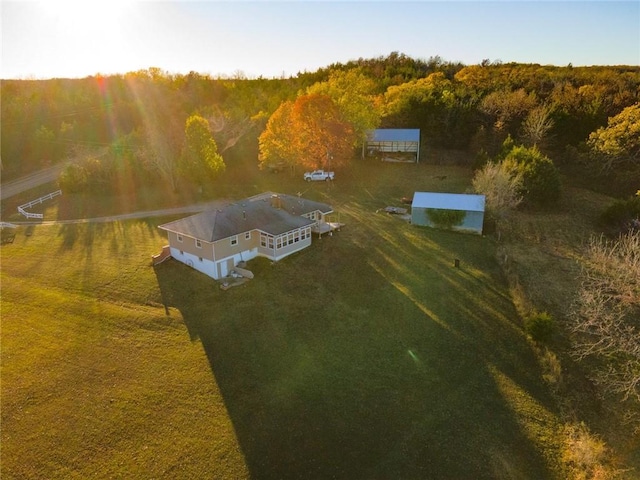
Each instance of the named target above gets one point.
<point>367,355</point>
<point>543,253</point>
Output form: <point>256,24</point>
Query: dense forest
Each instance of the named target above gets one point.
<point>584,118</point>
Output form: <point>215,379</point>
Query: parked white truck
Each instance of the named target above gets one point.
<point>318,175</point>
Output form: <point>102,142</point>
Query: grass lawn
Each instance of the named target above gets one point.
<point>367,355</point>
<point>97,382</point>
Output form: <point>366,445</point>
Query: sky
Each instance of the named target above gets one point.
<point>68,39</point>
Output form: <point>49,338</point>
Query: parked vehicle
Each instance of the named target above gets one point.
<point>318,175</point>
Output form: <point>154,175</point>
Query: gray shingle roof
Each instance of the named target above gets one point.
<point>272,213</point>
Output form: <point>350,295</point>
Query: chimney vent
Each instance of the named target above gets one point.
<point>276,201</point>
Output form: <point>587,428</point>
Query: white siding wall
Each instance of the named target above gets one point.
<point>201,264</point>
<point>221,268</point>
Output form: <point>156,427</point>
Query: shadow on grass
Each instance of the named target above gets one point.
<point>85,233</point>
<point>330,369</point>
<point>89,232</point>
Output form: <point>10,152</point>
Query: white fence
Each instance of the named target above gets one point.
<point>22,208</point>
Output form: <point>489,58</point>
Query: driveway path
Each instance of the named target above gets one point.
<point>199,207</point>
<point>33,180</point>
<point>28,182</point>
<point>46,175</point>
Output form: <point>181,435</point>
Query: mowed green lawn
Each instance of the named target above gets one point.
<point>97,382</point>
<point>368,355</point>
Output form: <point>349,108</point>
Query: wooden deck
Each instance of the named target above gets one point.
<point>326,227</point>
<point>162,256</point>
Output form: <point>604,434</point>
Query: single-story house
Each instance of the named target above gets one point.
<point>393,144</point>
<point>270,225</point>
<point>455,211</point>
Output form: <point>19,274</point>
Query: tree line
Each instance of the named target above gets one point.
<point>584,118</point>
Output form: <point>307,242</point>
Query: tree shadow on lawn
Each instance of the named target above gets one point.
<point>328,370</point>
<point>89,232</point>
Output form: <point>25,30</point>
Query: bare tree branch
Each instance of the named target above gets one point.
<point>606,315</point>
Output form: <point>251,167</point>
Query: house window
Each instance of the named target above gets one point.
<point>247,236</point>
<point>234,240</point>
<point>198,243</point>
<point>263,240</point>
<point>179,237</point>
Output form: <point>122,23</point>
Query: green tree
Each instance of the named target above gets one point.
<point>157,150</point>
<point>353,94</point>
<point>540,326</point>
<point>74,178</point>
<point>475,77</point>
<point>618,144</point>
<point>440,108</point>
<point>622,215</point>
<point>540,177</point>
<point>200,159</point>
<point>44,148</point>
<point>507,108</point>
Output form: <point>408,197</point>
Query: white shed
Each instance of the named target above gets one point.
<point>456,211</point>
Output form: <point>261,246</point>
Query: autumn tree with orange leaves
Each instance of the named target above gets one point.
<point>276,143</point>
<point>310,132</point>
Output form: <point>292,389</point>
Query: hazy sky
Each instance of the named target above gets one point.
<point>271,38</point>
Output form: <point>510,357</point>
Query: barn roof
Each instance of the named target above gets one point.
<point>272,213</point>
<point>449,201</point>
<point>394,135</point>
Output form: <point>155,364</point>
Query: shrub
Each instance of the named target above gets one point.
<point>540,326</point>
<point>500,187</point>
<point>619,216</point>
<point>446,219</point>
<point>481,159</point>
<point>74,178</point>
<point>540,177</point>
<point>585,454</point>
